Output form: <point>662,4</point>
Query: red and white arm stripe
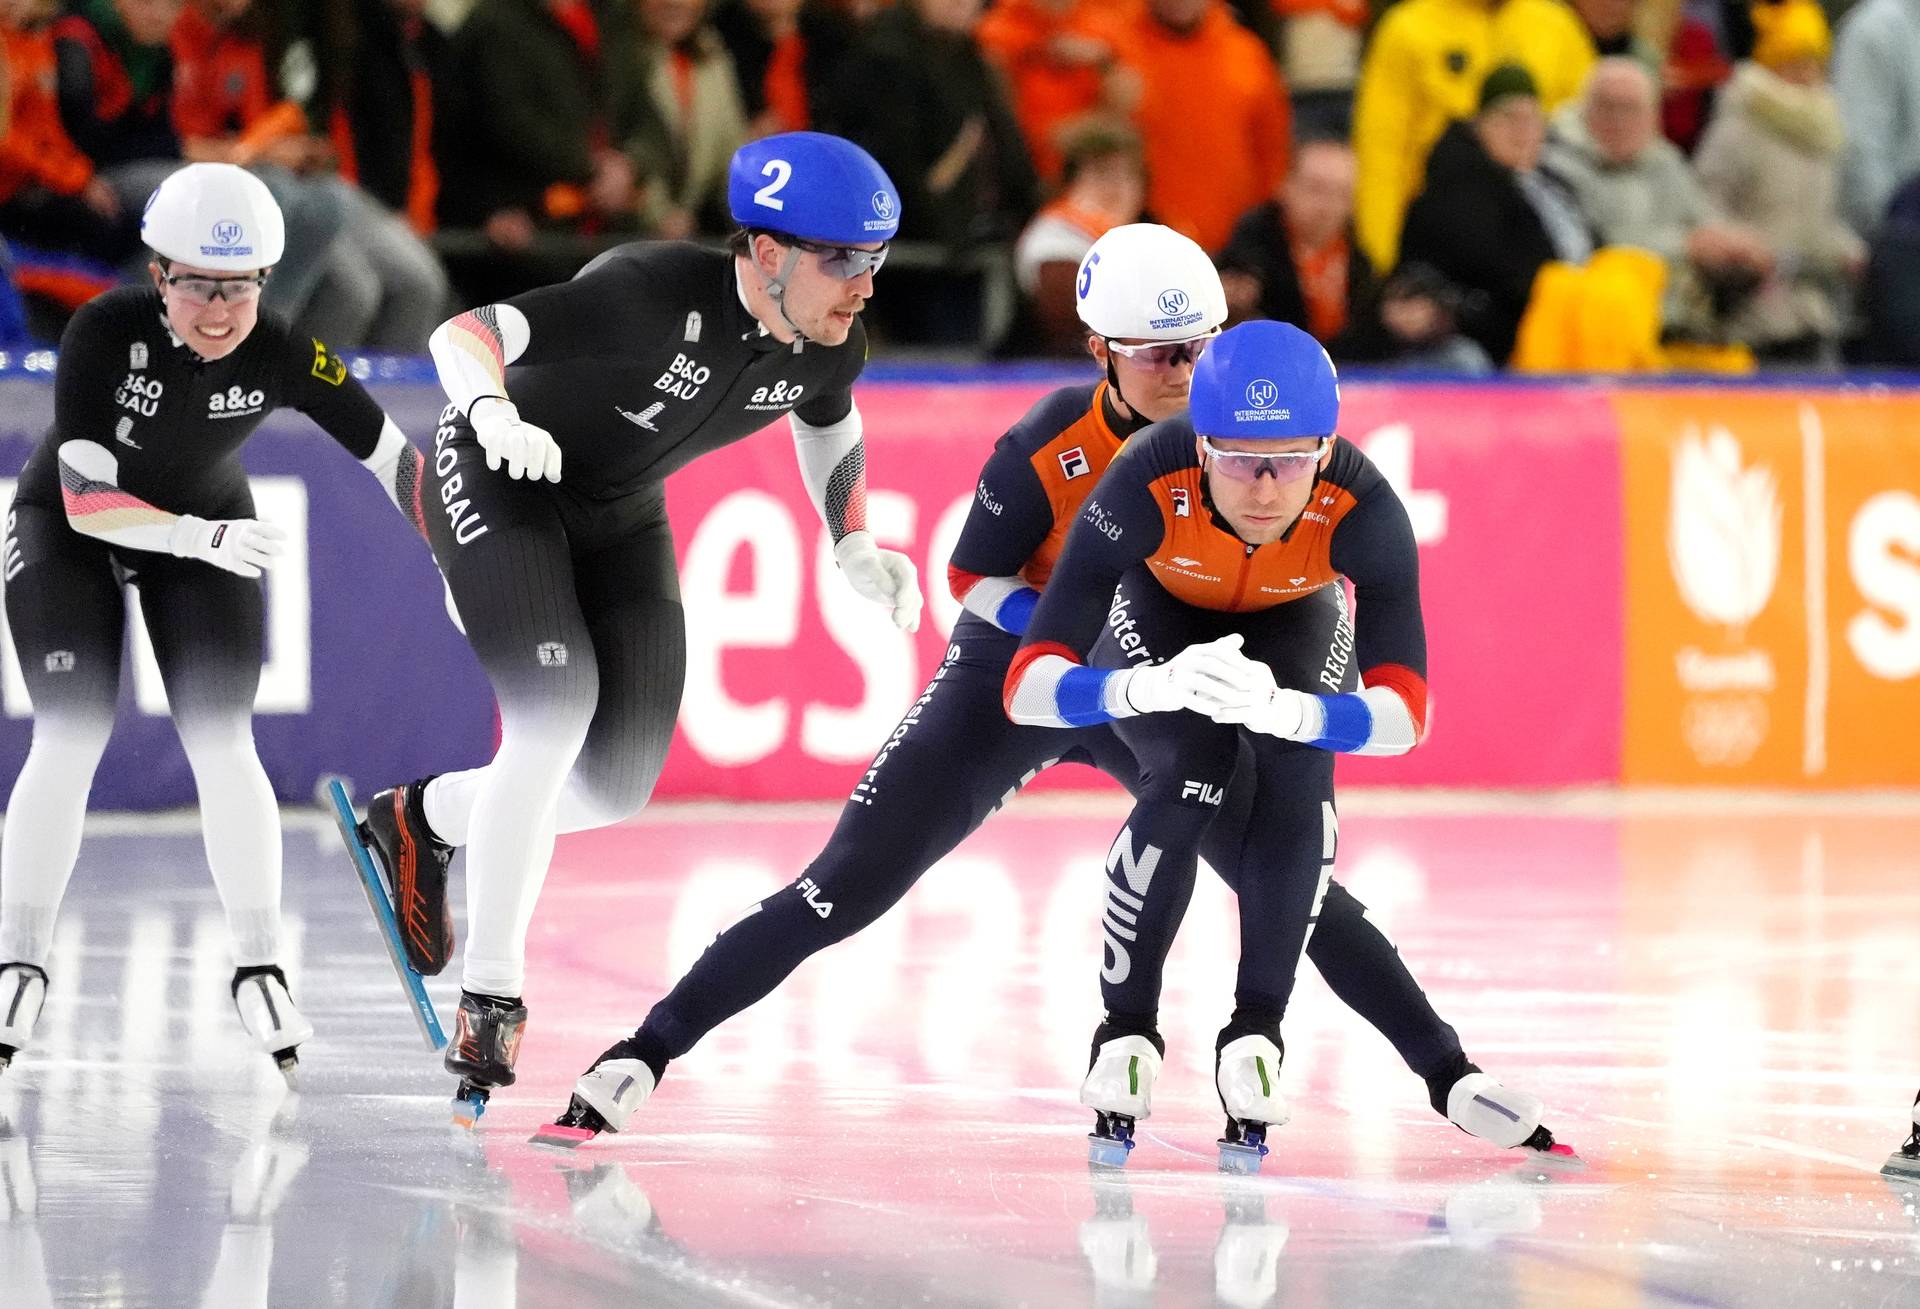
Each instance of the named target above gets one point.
<point>1397,697</point>
<point>471,352</point>
<point>96,506</point>
<point>1006,602</point>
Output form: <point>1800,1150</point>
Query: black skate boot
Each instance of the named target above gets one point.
<point>486,1041</point>
<point>414,863</point>
<point>23,989</point>
<point>1904,1163</point>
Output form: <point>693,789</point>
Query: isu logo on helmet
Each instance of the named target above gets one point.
<point>1261,393</point>
<point>883,204</point>
<point>1173,301</point>
<point>228,233</point>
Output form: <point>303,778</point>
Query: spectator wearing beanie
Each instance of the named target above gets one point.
<point>1771,160</point>
<point>1488,219</point>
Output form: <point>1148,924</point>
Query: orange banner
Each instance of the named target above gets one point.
<point>1773,587</point>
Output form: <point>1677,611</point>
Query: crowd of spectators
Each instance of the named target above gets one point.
<point>1452,185</point>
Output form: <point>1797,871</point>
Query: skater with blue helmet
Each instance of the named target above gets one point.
<point>568,407</point>
<point>1204,576</point>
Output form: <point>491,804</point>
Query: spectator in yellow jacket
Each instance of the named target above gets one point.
<point>1423,70</point>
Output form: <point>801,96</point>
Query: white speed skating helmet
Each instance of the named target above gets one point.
<point>215,216</point>
<point>1145,282</point>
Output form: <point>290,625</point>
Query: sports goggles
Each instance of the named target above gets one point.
<point>1162,355</point>
<point>1285,465</point>
<point>841,261</point>
<point>202,290</point>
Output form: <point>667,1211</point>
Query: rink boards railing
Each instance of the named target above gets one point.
<point>1674,583</point>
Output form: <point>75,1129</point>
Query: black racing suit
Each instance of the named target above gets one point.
<point>175,424</point>
<point>568,592</point>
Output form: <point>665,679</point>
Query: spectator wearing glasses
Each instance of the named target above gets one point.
<point>656,353</point>
<point>139,481</point>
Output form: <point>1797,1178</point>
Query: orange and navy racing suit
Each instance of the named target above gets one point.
<point>1150,567</point>
<point>954,759</point>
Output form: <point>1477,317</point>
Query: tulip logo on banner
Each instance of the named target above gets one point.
<point>1723,543</point>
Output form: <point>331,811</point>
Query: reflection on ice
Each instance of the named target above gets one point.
<point>1717,1011</point>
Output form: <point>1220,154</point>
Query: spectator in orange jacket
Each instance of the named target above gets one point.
<point>1212,111</point>
<point>50,194</point>
<point>1057,56</point>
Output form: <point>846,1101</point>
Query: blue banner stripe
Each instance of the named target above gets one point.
<point>1078,696</point>
<point>1349,723</point>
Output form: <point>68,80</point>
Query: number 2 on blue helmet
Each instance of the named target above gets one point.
<point>782,172</point>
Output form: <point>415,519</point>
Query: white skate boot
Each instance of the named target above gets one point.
<point>1247,1072</point>
<point>23,989</point>
<point>1479,1106</point>
<point>1904,1164</point>
<point>1246,1257</point>
<point>1117,1244</point>
<point>603,1100</point>
<point>267,1012</point>
<point>1119,1089</point>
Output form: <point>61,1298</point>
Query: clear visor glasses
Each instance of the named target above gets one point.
<point>1162,355</point>
<point>844,262</point>
<point>1284,465</point>
<point>202,290</point>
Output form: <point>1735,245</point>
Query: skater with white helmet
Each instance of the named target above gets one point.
<point>139,483</point>
<point>1151,303</point>
<point>1226,527</point>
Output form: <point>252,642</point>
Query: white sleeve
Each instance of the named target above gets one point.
<point>96,505</point>
<point>833,464</point>
<point>471,352</point>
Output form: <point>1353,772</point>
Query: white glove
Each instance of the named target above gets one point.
<point>885,577</point>
<point>245,546</point>
<point>1276,711</point>
<point>1201,678</point>
<point>529,451</point>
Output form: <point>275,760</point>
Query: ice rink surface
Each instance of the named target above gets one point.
<point>1719,1003</point>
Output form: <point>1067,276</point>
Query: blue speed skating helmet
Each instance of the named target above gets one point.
<point>813,186</point>
<point>1265,381</point>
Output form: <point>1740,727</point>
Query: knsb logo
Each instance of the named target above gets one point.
<point>1723,545</point>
